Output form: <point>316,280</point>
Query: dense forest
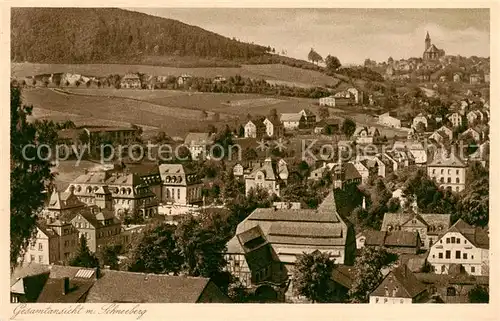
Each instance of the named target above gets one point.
<point>105,35</point>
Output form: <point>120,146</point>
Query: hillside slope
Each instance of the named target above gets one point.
<point>107,35</point>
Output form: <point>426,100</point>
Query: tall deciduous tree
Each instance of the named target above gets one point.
<point>30,175</point>
<point>156,252</point>
<point>332,63</point>
<point>83,257</point>
<point>202,249</point>
<point>312,277</point>
<point>367,272</point>
<point>348,127</point>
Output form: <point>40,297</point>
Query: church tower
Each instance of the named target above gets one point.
<point>427,41</point>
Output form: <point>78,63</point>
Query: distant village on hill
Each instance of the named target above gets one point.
<point>344,184</point>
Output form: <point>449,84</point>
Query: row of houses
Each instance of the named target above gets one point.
<point>275,127</point>
<point>43,283</point>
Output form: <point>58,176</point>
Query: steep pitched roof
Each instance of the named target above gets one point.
<point>477,236</point>
<point>268,168</point>
<point>119,286</point>
<point>443,160</point>
<point>290,117</point>
<point>401,283</point>
<point>52,291</point>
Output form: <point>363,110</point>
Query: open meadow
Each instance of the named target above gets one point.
<point>175,112</point>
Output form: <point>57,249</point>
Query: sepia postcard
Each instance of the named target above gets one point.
<point>303,162</point>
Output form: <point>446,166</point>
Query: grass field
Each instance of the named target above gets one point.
<point>273,72</point>
<point>174,112</point>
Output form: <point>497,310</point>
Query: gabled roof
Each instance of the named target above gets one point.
<point>258,122</point>
<point>477,236</point>
<point>197,139</point>
<point>441,159</point>
<point>435,222</point>
<point>290,117</point>
<point>304,228</point>
<point>400,283</point>
<point>120,286</point>
<point>307,112</point>
<point>268,168</point>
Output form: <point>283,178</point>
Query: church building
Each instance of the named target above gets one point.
<point>431,52</point>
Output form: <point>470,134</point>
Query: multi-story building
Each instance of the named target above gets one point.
<point>463,245</point>
<point>400,286</point>
<point>455,119</point>
<point>365,135</point>
<point>197,143</point>
<point>255,128</point>
<point>429,226</point>
<point>180,185</point>
<point>62,203</point>
<point>128,191</point>
<point>292,121</point>
<point>448,170</point>
<point>309,118</point>
<point>267,176</point>
<point>118,135</point>
<point>54,243</point>
<point>274,128</point>
<point>99,226</point>
<point>282,235</point>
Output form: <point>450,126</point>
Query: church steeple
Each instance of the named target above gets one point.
<point>427,41</point>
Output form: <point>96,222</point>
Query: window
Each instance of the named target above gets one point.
<point>443,268</point>
<point>442,171</point>
<point>458,254</point>
<point>457,180</point>
<point>385,300</point>
<point>32,258</point>
<point>376,300</point>
<point>465,241</point>
<point>433,171</point>
<point>441,241</point>
<point>66,243</point>
<point>473,269</point>
<point>453,240</point>
<point>464,256</point>
<point>433,256</point>
<point>450,291</point>
<point>448,254</point>
<point>472,257</point>
<point>401,301</point>
<point>40,258</point>
<point>40,247</point>
<point>14,299</point>
<point>449,171</point>
<point>447,240</point>
<point>386,291</point>
<point>179,193</point>
<point>458,240</point>
<point>458,171</point>
<point>440,255</point>
<point>449,180</point>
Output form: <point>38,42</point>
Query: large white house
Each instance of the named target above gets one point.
<point>448,170</point>
<point>291,120</point>
<point>463,245</point>
<point>389,119</point>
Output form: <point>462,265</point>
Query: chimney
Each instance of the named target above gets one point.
<point>65,289</point>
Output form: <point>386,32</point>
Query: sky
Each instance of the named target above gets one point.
<point>350,34</point>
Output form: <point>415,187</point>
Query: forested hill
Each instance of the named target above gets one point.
<point>105,35</point>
